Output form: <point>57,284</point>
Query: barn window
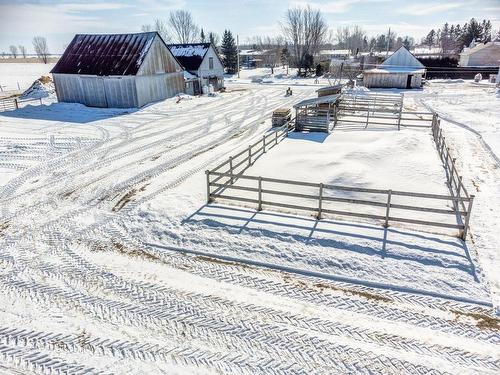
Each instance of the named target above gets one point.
<point>210,63</point>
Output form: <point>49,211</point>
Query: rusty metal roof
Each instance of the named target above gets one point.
<point>105,54</point>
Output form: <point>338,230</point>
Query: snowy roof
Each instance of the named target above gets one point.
<point>190,55</point>
<point>251,52</point>
<point>395,70</point>
<point>321,100</point>
<point>479,47</point>
<point>338,52</point>
<point>402,58</point>
<point>105,54</point>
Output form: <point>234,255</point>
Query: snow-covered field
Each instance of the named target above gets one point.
<point>111,262</point>
<point>23,74</point>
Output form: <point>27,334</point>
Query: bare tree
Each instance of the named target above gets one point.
<point>22,51</point>
<point>161,27</point>
<point>306,29</point>
<point>351,38</point>
<point>41,48</point>
<point>272,49</point>
<point>13,51</point>
<point>183,26</point>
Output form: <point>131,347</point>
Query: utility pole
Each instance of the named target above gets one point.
<point>388,42</point>
<point>238,53</point>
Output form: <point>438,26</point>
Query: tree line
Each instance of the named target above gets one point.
<point>453,38</point>
<point>39,45</point>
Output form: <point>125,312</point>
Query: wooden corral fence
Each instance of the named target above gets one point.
<point>10,104</point>
<point>240,162</point>
<point>379,109</point>
<point>454,181</point>
<point>325,198</point>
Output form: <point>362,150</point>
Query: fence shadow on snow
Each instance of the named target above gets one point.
<point>426,249</point>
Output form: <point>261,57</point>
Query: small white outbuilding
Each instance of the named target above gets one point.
<point>401,70</point>
<point>482,54</point>
<point>202,61</point>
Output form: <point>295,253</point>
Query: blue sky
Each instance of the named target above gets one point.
<point>58,21</point>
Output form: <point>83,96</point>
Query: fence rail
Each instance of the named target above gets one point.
<point>221,181</point>
<point>10,104</point>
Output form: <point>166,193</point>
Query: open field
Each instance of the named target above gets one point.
<point>112,262</point>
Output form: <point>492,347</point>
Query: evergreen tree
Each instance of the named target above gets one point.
<point>430,39</point>
<point>230,52</point>
<point>202,36</point>
<point>285,55</point>
<point>486,26</point>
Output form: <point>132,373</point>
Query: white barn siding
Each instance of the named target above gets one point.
<point>158,60</point>
<point>158,87</point>
<point>121,92</point>
<point>94,91</point>
<point>390,80</point>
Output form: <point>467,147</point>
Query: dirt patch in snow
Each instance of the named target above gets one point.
<point>127,198</point>
<point>483,321</point>
<point>324,286</point>
<point>3,227</point>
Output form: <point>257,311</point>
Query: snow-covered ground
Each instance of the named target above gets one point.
<point>111,261</point>
<point>23,74</point>
<point>281,76</point>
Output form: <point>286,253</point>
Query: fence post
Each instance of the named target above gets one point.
<point>18,87</point>
<point>276,137</point>
<point>452,173</point>
<point>249,155</point>
<point>231,169</point>
<point>209,199</point>
<point>40,101</point>
<point>264,144</point>
<point>467,218</point>
<point>16,103</point>
<point>400,112</point>
<point>389,194</point>
<point>260,194</point>
<point>320,201</point>
<point>367,116</point>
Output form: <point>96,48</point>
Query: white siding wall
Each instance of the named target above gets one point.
<point>390,80</point>
<point>93,91</point>
<point>158,87</point>
<point>488,56</point>
<point>204,71</point>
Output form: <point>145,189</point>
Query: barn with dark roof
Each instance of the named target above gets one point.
<point>203,64</point>
<point>117,71</point>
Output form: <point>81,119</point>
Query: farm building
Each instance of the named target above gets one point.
<point>117,71</point>
<point>482,54</point>
<point>202,61</point>
<point>401,70</point>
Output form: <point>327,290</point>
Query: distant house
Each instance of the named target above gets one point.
<point>486,54</point>
<point>400,70</point>
<point>117,70</point>
<point>202,61</point>
<point>337,54</point>
<point>250,58</point>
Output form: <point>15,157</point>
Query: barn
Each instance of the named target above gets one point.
<point>401,70</point>
<point>202,61</point>
<point>117,71</point>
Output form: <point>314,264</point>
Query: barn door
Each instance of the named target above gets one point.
<point>408,81</point>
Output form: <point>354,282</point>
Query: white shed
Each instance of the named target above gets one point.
<point>201,60</point>
<point>117,70</point>
<point>400,70</point>
<point>482,54</point>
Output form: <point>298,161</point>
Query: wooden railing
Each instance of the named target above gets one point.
<point>319,203</point>
<point>10,104</point>
<point>454,181</point>
<point>221,184</point>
